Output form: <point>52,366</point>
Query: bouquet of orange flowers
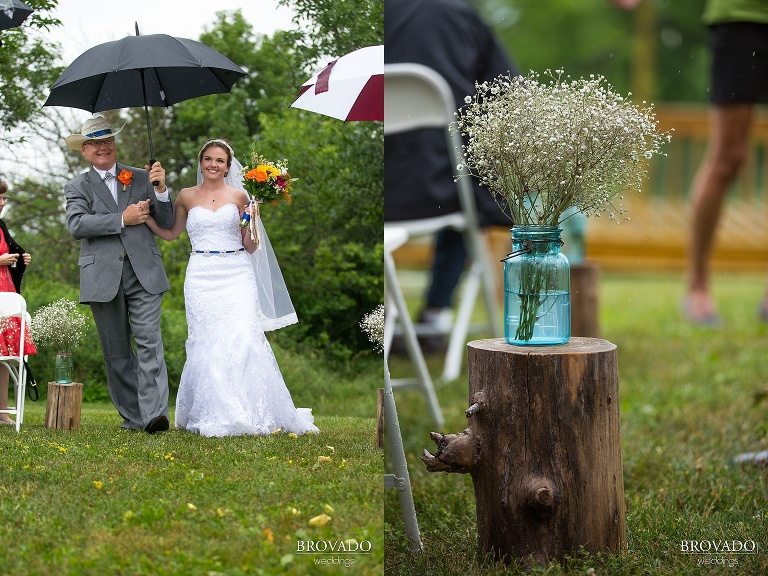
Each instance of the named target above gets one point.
<point>268,182</point>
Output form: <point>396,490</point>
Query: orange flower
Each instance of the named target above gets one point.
<point>267,181</point>
<point>259,174</point>
<point>125,177</point>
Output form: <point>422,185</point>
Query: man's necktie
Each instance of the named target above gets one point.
<point>108,179</point>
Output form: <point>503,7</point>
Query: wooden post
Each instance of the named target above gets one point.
<point>585,287</point>
<point>62,410</point>
<point>543,448</point>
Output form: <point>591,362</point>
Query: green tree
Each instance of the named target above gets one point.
<point>333,28</point>
<point>329,240</point>
<point>586,37</point>
<point>27,63</point>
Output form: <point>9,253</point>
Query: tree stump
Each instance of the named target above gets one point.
<point>62,410</point>
<point>543,448</point>
<point>585,287</point>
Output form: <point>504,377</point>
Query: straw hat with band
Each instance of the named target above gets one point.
<point>94,129</point>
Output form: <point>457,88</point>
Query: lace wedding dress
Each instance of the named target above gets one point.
<point>231,383</point>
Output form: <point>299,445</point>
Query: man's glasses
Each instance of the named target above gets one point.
<point>100,143</point>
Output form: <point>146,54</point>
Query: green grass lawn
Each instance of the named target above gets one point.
<point>101,501</point>
<point>688,405</point>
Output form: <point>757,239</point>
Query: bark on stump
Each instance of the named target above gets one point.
<point>585,288</point>
<point>62,410</point>
<point>543,448</point>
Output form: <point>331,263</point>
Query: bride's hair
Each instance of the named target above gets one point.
<point>217,142</point>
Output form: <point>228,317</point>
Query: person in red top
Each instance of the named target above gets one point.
<point>13,261</point>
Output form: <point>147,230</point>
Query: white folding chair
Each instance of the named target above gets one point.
<point>397,311</point>
<point>415,96</point>
<point>13,305</point>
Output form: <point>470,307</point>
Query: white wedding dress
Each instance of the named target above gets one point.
<point>231,383</point>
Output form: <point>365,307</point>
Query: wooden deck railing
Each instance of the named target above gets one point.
<point>656,236</point>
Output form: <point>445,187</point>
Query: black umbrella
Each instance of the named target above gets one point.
<point>13,13</point>
<point>153,70</point>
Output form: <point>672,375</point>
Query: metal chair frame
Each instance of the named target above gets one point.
<point>416,96</point>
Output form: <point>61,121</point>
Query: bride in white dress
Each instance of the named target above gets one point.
<point>233,290</point>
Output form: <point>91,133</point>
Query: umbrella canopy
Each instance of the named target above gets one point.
<point>349,88</point>
<point>152,70</point>
<point>13,13</point>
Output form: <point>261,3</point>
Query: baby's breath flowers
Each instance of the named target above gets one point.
<point>545,147</point>
<point>548,149</point>
<point>373,325</point>
<point>59,325</point>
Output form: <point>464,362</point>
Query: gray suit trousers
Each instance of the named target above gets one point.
<point>138,381</point>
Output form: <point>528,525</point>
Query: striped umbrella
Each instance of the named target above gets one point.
<point>349,88</point>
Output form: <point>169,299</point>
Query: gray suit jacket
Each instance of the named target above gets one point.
<point>93,217</point>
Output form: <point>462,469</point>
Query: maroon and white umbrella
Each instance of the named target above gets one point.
<point>349,88</point>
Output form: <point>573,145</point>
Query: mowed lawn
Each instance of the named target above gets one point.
<point>692,398</point>
<point>103,501</point>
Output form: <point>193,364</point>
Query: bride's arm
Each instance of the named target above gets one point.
<point>173,232</point>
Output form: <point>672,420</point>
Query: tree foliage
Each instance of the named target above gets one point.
<point>586,37</point>
<point>27,63</point>
<point>329,239</point>
<point>336,27</point>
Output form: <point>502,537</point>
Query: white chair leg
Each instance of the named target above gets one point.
<point>454,356</point>
<point>22,399</point>
<point>489,281</point>
<point>411,341</point>
<point>400,479</point>
<point>390,318</point>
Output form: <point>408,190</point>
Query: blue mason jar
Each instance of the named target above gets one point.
<point>63,368</point>
<point>537,288</point>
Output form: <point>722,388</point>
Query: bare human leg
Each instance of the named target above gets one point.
<point>728,147</point>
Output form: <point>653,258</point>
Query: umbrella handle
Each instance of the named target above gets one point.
<point>151,162</point>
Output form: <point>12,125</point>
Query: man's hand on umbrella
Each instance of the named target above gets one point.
<point>156,174</point>
<point>136,213</point>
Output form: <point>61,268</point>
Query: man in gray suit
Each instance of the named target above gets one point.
<point>121,273</point>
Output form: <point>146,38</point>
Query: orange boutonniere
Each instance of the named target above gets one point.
<point>125,177</point>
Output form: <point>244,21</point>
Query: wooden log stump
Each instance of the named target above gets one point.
<point>543,448</point>
<point>62,410</point>
<point>585,288</point>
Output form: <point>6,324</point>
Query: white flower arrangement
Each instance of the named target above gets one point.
<point>59,325</point>
<point>373,325</point>
<point>544,148</point>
